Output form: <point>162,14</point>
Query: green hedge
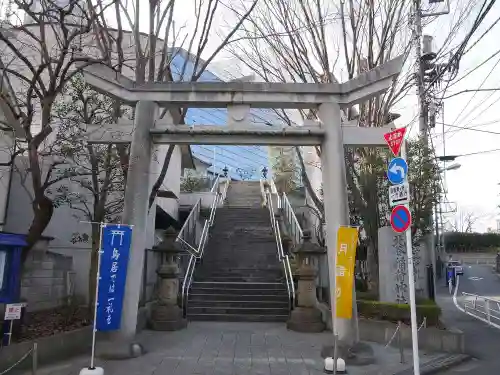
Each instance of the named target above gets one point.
<point>471,242</point>
<point>399,311</point>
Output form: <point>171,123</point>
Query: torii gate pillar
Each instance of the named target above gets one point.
<point>335,203</point>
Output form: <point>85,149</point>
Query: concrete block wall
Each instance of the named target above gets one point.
<point>47,280</point>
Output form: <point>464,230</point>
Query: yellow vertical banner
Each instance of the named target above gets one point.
<point>347,240</point>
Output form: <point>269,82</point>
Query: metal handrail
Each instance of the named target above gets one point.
<point>198,253</point>
<point>291,220</point>
<point>483,308</point>
<point>215,185</point>
<point>187,235</point>
<point>283,258</point>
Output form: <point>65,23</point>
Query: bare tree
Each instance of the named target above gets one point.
<point>324,41</point>
<point>38,59</point>
<point>155,52</point>
<point>301,43</point>
<point>464,222</point>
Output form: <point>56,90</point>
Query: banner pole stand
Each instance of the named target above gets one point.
<point>92,369</point>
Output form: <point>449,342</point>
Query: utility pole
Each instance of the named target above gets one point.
<point>426,110</point>
<point>423,117</point>
<point>419,69</point>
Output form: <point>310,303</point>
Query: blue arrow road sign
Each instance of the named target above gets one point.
<point>397,171</point>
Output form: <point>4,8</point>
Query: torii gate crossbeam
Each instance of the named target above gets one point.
<point>238,98</point>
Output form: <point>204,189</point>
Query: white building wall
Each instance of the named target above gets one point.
<point>6,150</point>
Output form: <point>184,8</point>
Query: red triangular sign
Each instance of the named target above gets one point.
<point>395,139</point>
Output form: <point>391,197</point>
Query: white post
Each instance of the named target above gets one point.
<point>335,200</point>
<point>92,370</point>
<point>411,285</point>
<point>96,295</point>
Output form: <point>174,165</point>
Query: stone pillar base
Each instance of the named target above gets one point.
<point>167,318</point>
<point>119,349</point>
<point>360,354</point>
<point>306,319</point>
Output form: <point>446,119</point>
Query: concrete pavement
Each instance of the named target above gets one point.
<point>482,340</point>
<point>239,349</point>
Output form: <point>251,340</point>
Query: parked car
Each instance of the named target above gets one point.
<point>457,265</point>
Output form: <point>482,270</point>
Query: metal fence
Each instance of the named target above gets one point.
<point>483,308</point>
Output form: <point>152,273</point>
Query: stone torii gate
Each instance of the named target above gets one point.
<point>238,97</point>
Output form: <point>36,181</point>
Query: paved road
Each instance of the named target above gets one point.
<point>482,341</point>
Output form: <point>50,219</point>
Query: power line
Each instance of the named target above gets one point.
<point>455,59</point>
<point>472,129</point>
<point>478,153</point>
<point>469,91</point>
<point>475,93</point>
<point>483,34</point>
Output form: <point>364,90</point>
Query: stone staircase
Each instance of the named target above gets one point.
<point>240,277</point>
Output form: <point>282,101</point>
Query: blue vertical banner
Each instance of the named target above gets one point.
<point>115,249</point>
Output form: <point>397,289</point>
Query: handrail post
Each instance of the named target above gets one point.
<point>34,359</point>
<point>487,307</point>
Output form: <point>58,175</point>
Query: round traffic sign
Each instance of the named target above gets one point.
<point>397,171</point>
<point>400,219</point>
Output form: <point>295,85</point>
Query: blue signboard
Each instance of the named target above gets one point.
<point>115,250</point>
<point>397,171</point>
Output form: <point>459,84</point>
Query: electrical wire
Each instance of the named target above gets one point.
<point>455,59</point>
<point>475,93</point>
<point>478,152</point>
<point>472,129</point>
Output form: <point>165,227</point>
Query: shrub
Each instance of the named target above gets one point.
<point>399,311</point>
<point>472,242</point>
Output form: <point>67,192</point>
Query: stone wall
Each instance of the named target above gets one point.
<point>393,267</point>
<point>48,279</point>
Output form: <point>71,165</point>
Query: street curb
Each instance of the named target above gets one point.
<point>444,362</point>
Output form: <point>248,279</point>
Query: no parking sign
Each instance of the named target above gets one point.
<point>400,219</point>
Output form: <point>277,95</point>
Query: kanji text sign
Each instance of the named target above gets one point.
<point>347,240</point>
<point>13,311</point>
<point>115,250</point>
<point>395,139</point>
<point>399,194</point>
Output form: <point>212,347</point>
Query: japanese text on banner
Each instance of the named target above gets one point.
<point>347,240</point>
<point>115,250</point>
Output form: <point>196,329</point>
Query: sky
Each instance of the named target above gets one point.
<point>474,186</point>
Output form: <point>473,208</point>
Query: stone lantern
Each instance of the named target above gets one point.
<point>306,317</point>
<point>166,315</point>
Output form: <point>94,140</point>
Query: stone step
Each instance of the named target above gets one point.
<point>270,296</point>
<point>255,268</point>
<point>211,265</point>
<point>247,304</point>
<point>242,278</point>
<point>238,292</point>
<point>207,273</point>
<point>256,310</point>
<point>237,318</point>
<point>243,286</point>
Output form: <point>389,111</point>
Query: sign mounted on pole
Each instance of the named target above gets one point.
<point>400,219</point>
<point>395,139</point>
<point>397,171</point>
<point>399,194</point>
<point>115,248</point>
<point>347,241</point>
<point>13,311</point>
